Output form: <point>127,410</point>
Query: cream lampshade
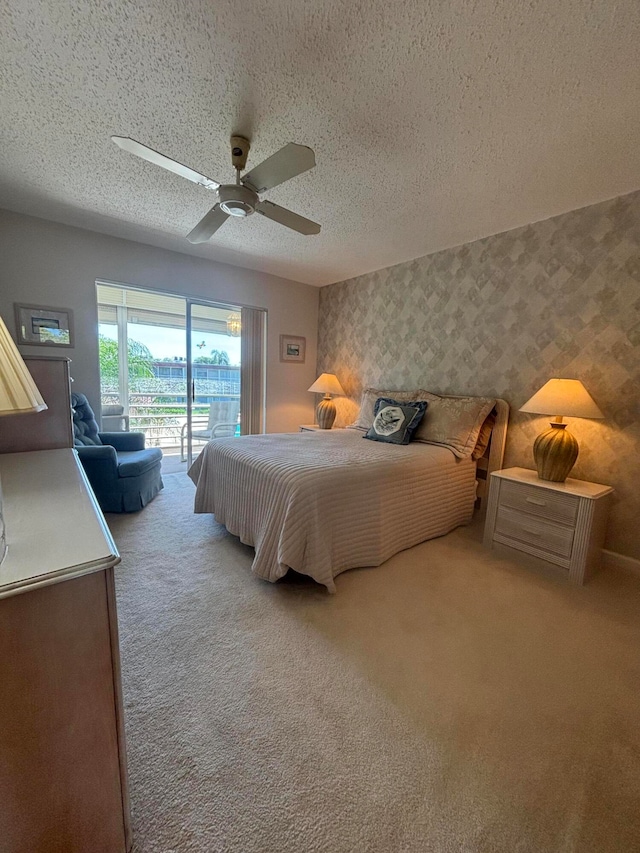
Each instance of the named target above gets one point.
<point>556,450</point>
<point>327,384</point>
<point>18,395</point>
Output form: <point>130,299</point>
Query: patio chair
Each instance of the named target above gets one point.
<point>220,423</point>
<point>114,419</point>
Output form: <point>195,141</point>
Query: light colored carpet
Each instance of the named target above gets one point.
<point>449,700</point>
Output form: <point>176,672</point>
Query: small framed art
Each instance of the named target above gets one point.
<point>292,348</point>
<point>39,325</point>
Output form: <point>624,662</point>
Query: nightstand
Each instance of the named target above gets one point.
<point>562,524</point>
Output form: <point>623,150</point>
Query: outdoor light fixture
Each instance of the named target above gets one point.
<point>234,324</point>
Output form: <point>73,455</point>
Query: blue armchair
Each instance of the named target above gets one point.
<point>123,474</point>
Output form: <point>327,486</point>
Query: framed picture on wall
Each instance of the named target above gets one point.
<point>292,348</point>
<point>39,325</point>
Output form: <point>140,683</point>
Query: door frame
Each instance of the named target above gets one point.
<point>189,301</point>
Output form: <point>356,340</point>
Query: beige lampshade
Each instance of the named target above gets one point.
<point>327,383</point>
<point>564,397</point>
<point>18,391</point>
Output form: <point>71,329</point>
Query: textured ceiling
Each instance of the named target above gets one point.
<point>433,123</point>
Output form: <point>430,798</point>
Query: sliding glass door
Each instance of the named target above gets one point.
<point>170,367</point>
<point>143,352</point>
<point>214,374</point>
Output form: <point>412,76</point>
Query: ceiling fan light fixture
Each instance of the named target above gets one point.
<point>236,208</point>
<point>236,200</point>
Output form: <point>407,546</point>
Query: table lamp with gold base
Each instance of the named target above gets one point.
<point>555,450</point>
<point>327,384</point>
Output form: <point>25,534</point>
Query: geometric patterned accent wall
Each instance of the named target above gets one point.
<point>500,316</point>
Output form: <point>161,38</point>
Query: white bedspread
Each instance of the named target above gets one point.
<point>324,502</point>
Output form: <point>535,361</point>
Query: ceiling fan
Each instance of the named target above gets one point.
<point>240,199</point>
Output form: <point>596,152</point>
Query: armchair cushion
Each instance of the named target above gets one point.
<point>136,462</point>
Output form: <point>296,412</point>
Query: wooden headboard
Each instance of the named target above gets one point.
<point>494,454</point>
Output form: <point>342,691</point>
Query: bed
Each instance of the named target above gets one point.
<point>327,501</point>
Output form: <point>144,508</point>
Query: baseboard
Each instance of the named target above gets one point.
<point>620,561</point>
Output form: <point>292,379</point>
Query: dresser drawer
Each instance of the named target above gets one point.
<point>553,538</point>
<point>544,503</point>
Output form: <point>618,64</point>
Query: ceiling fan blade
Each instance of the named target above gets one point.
<point>286,163</point>
<point>287,217</point>
<point>208,225</point>
<point>158,159</point>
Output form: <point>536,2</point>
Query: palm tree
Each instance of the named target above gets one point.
<point>218,356</point>
<point>139,358</point>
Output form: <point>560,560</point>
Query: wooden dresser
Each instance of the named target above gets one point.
<point>63,776</point>
<point>42,430</point>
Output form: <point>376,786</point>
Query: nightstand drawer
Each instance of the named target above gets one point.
<point>522,527</point>
<point>557,507</point>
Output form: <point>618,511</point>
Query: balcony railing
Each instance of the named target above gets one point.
<point>161,415</point>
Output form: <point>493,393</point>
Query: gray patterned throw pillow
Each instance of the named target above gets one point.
<point>368,402</point>
<point>395,421</point>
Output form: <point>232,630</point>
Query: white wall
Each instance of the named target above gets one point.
<point>45,263</point>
